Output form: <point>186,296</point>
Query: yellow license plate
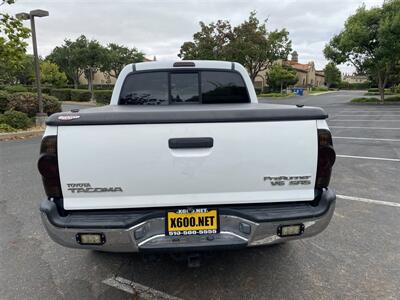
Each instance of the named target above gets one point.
<point>196,221</point>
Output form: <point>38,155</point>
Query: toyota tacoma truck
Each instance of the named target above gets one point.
<point>185,159</point>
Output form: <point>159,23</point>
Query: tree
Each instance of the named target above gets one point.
<point>256,48</point>
<point>117,57</point>
<point>12,45</point>
<point>279,77</point>
<point>370,41</point>
<point>94,58</point>
<point>51,74</point>
<point>209,43</point>
<point>332,75</point>
<point>69,59</point>
<point>79,57</point>
<point>26,74</point>
<point>249,43</point>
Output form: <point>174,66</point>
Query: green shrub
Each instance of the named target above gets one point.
<point>103,96</point>
<point>276,95</point>
<point>393,99</point>
<point>15,119</point>
<point>3,101</point>
<point>6,128</point>
<point>28,103</point>
<point>258,91</point>
<point>104,87</point>
<point>374,99</point>
<point>80,95</point>
<point>45,89</point>
<point>61,94</point>
<point>51,104</point>
<point>320,89</point>
<point>15,88</point>
<point>373,90</point>
<point>354,86</point>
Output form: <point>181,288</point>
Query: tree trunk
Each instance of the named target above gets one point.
<point>381,87</point>
<point>281,87</point>
<point>90,84</point>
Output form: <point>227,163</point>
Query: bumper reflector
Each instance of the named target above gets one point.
<point>289,230</point>
<point>90,238</point>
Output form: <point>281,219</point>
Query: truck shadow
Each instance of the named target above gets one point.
<point>229,274</point>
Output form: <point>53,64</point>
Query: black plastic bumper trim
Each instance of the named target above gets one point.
<point>127,218</point>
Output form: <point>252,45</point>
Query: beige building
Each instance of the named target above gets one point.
<point>100,78</point>
<point>355,78</point>
<point>307,74</point>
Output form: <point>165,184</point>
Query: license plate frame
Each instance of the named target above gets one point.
<point>206,221</point>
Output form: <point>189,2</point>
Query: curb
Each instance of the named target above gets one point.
<point>20,135</point>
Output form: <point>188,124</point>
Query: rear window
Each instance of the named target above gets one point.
<point>150,88</point>
<point>162,88</point>
<point>223,87</point>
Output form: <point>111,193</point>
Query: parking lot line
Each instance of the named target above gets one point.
<point>355,127</point>
<point>379,202</point>
<point>371,115</point>
<point>330,120</point>
<point>363,111</point>
<point>137,289</point>
<point>369,157</point>
<point>365,139</point>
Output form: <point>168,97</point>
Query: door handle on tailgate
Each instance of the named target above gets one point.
<point>185,143</point>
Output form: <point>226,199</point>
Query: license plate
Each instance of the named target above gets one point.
<point>197,221</point>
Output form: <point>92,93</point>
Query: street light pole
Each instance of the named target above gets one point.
<point>37,67</point>
<point>40,115</point>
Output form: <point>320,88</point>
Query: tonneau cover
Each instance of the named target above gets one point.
<point>131,114</point>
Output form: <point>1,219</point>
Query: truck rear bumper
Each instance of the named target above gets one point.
<point>144,230</point>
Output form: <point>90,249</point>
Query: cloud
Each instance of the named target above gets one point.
<point>160,27</point>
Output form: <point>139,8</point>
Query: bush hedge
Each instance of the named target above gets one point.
<point>3,101</point>
<point>45,89</point>
<point>103,96</point>
<point>80,95</point>
<point>61,94</point>
<point>354,86</point>
<point>15,119</point>
<point>320,89</point>
<point>15,89</point>
<point>6,128</point>
<point>375,100</point>
<point>28,103</point>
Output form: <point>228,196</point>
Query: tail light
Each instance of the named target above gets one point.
<point>326,158</point>
<point>48,167</point>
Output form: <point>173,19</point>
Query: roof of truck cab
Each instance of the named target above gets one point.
<point>198,64</point>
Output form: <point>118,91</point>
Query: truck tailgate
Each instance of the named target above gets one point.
<point>133,165</point>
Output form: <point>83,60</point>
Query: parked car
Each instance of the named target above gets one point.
<point>185,159</point>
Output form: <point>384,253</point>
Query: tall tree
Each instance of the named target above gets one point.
<point>12,45</point>
<point>256,48</point>
<point>69,59</point>
<point>249,43</point>
<point>209,43</point>
<point>332,75</point>
<point>370,41</point>
<point>280,77</point>
<point>118,56</point>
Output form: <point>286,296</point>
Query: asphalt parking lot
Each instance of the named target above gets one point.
<point>356,257</point>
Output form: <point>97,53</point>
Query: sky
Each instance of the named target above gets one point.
<point>159,27</point>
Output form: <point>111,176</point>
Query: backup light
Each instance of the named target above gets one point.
<point>290,230</point>
<point>90,238</point>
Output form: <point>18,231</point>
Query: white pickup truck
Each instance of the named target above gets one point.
<point>185,159</point>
